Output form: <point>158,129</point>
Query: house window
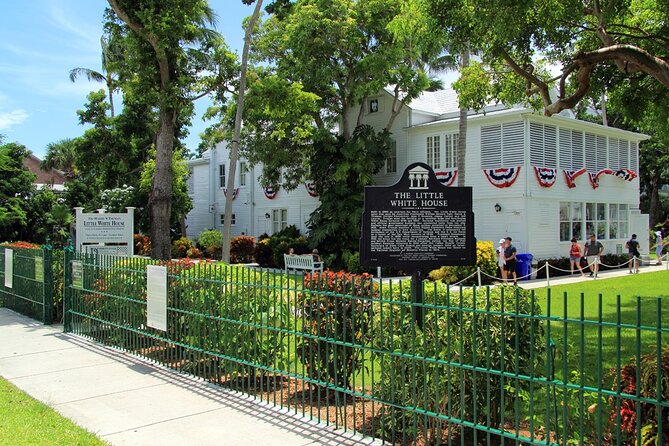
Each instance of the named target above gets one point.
<point>279,220</point>
<point>242,173</point>
<point>373,105</point>
<point>191,182</point>
<point>233,220</point>
<point>221,175</point>
<point>391,161</point>
<point>618,221</point>
<point>451,151</point>
<point>433,145</point>
<point>571,221</point>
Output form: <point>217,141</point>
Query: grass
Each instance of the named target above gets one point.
<point>25,421</point>
<point>639,302</point>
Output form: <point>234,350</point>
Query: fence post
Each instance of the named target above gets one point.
<point>68,254</point>
<point>47,254</point>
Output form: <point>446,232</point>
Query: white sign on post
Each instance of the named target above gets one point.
<point>156,297</point>
<point>103,228</point>
<point>9,268</point>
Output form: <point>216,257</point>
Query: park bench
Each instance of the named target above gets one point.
<point>305,262</point>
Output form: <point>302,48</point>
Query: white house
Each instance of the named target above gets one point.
<point>537,179</point>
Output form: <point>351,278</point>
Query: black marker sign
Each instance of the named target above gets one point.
<point>418,223</point>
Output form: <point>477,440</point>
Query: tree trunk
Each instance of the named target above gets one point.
<point>654,203</point>
<point>160,201</point>
<point>462,128</point>
<point>234,150</point>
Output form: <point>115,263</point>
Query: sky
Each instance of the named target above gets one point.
<point>42,40</point>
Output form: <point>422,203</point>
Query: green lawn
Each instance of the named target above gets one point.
<point>582,335</point>
<point>25,421</point>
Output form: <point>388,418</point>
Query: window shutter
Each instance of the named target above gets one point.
<point>513,144</point>
<point>565,142</point>
<point>536,144</point>
<point>601,153</point>
<point>550,146</point>
<point>576,149</point>
<point>590,152</point>
<point>634,156</point>
<point>491,146</point>
<point>614,153</point>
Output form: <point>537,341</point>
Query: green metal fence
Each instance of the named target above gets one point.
<point>488,366</point>
<point>26,281</point>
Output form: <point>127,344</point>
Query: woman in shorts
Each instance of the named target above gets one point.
<point>575,256</point>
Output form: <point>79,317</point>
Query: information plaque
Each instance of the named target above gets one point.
<point>418,224</point>
<point>156,297</point>
<point>9,268</point>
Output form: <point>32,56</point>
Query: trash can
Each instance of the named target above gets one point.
<point>524,265</point>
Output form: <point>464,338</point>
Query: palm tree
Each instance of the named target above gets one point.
<point>61,155</point>
<point>111,53</point>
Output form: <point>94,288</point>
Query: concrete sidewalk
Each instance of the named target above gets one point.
<point>128,401</point>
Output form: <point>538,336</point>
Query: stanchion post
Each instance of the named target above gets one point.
<point>596,266</point>
<point>548,273</point>
<point>478,273</point>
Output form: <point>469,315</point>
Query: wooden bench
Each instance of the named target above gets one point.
<point>305,262</point>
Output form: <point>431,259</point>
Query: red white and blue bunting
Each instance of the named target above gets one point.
<point>626,174</point>
<point>546,176</point>
<point>311,189</point>
<point>594,177</point>
<point>235,191</point>
<point>270,192</point>
<point>502,177</point>
<point>447,177</point>
<point>571,175</point>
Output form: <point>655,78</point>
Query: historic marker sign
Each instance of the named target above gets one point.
<point>418,223</point>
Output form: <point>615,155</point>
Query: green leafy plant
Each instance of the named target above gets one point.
<point>181,246</point>
<point>335,306</point>
<point>466,330</point>
<point>211,242</point>
<point>486,259</point>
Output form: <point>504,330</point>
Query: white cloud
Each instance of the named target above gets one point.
<point>14,117</point>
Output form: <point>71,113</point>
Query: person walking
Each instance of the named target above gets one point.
<point>501,263</point>
<point>593,249</point>
<point>658,247</point>
<point>575,257</point>
<point>633,251</point>
<point>510,259</point>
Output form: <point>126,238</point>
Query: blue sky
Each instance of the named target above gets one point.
<point>42,40</point>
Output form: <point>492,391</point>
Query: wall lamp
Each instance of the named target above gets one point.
<point>267,215</point>
<point>498,208</point>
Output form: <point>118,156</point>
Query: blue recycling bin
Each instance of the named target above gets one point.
<point>524,265</point>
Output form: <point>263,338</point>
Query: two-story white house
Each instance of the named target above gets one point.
<point>537,179</point>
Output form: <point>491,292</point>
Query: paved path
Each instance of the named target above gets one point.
<point>128,401</point>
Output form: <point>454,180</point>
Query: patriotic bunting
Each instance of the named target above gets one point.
<point>571,175</point>
<point>311,189</point>
<point>502,177</point>
<point>235,191</point>
<point>594,177</point>
<point>546,176</point>
<point>626,174</point>
<point>447,177</point>
<point>270,192</point>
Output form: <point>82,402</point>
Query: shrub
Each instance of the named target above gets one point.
<point>471,333</point>
<point>335,306</point>
<point>626,419</point>
<point>561,267</point>
<point>263,252</point>
<point>241,249</point>
<point>211,242</point>
<point>486,259</point>
<point>181,246</point>
<point>142,245</point>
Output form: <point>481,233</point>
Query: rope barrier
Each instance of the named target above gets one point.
<point>468,277</point>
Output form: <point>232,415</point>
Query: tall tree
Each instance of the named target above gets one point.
<point>170,46</point>
<point>111,54</point>
<point>335,54</point>
<point>61,155</point>
<point>234,149</point>
<point>578,36</point>
<point>16,187</point>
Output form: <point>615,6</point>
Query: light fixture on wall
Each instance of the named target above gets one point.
<point>267,215</point>
<point>498,208</point>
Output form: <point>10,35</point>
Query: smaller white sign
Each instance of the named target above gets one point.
<point>156,297</point>
<point>9,268</point>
